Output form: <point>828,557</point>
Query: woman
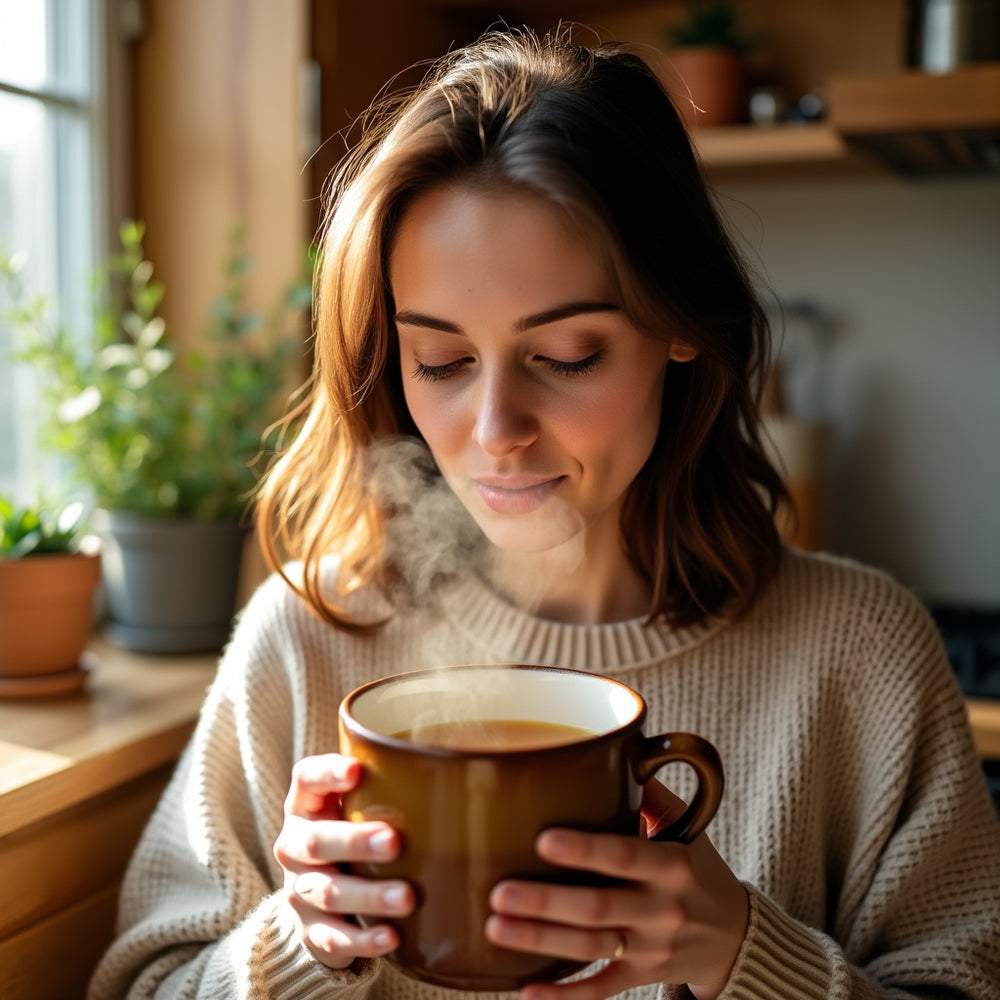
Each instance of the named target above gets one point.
<point>533,438</point>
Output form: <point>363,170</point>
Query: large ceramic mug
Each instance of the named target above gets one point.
<point>470,764</point>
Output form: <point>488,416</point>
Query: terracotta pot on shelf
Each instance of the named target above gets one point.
<point>46,618</point>
<point>706,84</point>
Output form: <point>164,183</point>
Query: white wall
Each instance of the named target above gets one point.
<point>911,271</point>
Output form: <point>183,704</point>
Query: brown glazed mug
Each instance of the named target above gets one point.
<point>452,759</point>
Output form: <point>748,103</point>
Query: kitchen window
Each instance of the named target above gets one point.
<point>61,147</point>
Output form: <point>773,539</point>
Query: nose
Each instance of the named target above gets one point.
<point>505,418</point>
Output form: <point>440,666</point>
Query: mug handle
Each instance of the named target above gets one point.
<point>704,758</point>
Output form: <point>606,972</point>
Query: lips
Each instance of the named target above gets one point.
<point>516,495</point>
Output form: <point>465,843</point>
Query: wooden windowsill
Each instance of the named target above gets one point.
<point>133,716</point>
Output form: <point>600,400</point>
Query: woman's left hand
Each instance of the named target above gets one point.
<point>681,917</point>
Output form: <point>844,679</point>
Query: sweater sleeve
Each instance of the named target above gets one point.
<point>202,912</point>
<point>915,910</point>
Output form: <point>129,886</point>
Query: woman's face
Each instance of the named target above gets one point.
<point>538,398</point>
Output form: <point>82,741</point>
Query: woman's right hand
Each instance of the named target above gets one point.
<point>314,841</point>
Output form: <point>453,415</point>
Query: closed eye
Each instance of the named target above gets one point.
<point>580,367</point>
<point>434,373</point>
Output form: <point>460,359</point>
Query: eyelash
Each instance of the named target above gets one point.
<point>436,373</point>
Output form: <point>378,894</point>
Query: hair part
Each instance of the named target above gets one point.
<point>591,131</point>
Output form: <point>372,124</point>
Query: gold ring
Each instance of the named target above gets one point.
<point>619,948</point>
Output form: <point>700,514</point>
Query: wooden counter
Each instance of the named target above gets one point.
<point>79,777</point>
<point>984,715</point>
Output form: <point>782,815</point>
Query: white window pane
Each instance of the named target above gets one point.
<point>45,44</point>
<point>47,210</point>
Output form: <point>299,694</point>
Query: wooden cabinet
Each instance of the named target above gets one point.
<point>79,777</point>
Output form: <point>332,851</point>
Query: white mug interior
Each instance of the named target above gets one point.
<point>456,694</point>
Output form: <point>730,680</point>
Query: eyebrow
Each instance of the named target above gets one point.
<point>411,318</point>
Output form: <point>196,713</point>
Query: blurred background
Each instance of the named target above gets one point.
<point>853,145</point>
<point>870,212</point>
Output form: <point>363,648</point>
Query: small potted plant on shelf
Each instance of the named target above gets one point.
<point>705,52</point>
<point>166,439</point>
<point>48,579</point>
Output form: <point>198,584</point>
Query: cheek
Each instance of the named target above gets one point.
<point>438,426</point>
<point>623,421</point>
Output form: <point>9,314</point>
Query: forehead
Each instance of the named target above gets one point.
<point>466,236</point>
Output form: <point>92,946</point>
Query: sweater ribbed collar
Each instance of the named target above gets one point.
<point>509,634</point>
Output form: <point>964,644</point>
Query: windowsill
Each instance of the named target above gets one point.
<point>133,716</point>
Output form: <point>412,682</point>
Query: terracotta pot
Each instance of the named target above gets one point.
<point>706,85</point>
<point>46,617</point>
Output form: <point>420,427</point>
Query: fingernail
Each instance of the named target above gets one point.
<point>380,843</point>
<point>306,883</point>
<point>394,898</point>
<point>507,896</point>
<point>553,842</point>
<point>341,767</point>
<point>500,931</point>
<point>382,939</point>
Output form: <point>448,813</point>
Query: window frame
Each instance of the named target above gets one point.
<point>87,205</point>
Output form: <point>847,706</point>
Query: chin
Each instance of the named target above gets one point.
<point>527,536</point>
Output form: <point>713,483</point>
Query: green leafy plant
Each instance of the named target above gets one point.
<point>149,428</point>
<point>709,24</point>
<point>26,531</point>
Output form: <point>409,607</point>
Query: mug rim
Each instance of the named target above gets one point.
<point>359,729</point>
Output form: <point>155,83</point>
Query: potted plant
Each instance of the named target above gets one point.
<point>165,440</point>
<point>705,53</point>
<point>47,584</point>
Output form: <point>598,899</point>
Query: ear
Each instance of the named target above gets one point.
<point>682,351</point>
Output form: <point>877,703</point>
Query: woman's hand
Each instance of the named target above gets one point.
<point>313,842</point>
<point>681,917</point>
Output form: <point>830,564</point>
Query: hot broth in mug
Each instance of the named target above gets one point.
<point>493,734</point>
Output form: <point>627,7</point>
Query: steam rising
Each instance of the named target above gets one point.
<point>430,535</point>
<point>431,539</point>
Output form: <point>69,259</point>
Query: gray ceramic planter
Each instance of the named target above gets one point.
<point>170,584</point>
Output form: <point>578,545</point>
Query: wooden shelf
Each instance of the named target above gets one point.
<point>764,145</point>
<point>913,122</point>
<point>922,123</point>
<point>915,101</point>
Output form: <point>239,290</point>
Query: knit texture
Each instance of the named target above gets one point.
<point>855,810</point>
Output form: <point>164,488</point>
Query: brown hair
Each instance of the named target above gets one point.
<point>594,132</point>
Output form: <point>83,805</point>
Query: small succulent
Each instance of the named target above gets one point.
<point>31,531</point>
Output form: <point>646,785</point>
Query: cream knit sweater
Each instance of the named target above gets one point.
<point>855,810</point>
